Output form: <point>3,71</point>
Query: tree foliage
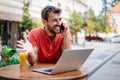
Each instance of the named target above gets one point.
<point>27,20</point>
<point>75,22</point>
<point>37,24</point>
<point>94,23</point>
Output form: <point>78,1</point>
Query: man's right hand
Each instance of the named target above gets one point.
<point>29,49</point>
<point>25,46</point>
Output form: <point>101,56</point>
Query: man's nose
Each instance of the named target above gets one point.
<point>59,22</point>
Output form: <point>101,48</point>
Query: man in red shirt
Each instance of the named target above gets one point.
<point>49,40</point>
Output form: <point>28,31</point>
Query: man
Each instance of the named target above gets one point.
<point>50,41</point>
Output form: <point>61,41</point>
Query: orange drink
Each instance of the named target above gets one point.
<point>23,58</point>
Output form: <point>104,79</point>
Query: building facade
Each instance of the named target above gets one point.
<point>114,19</point>
<point>11,13</point>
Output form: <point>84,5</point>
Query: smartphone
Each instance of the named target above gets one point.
<point>62,27</point>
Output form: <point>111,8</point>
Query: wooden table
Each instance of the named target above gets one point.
<point>14,72</point>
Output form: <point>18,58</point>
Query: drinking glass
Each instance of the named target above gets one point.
<point>23,59</point>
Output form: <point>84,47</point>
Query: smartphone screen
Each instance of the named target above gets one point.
<point>62,27</point>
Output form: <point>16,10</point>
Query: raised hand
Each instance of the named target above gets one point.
<point>26,46</point>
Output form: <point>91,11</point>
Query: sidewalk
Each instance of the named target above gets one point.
<point>102,52</point>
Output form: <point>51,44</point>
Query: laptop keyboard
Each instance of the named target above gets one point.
<point>48,70</point>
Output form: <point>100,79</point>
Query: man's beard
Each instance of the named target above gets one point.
<point>54,30</point>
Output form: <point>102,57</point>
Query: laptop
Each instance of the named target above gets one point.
<point>71,59</point>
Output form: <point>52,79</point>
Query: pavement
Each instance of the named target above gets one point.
<point>102,53</point>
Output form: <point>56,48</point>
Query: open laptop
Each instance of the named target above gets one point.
<point>70,60</point>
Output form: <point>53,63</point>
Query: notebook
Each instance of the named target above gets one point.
<point>71,59</point>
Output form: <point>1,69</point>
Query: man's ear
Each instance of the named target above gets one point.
<point>44,21</point>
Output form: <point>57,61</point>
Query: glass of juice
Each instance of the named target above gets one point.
<point>23,59</point>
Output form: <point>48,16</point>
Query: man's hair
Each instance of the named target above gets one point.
<point>45,12</point>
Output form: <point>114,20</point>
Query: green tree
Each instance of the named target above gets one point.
<point>75,22</point>
<point>94,24</point>
<point>37,24</point>
<point>27,22</point>
<point>91,19</point>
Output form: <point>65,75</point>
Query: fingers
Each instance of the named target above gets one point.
<point>23,47</point>
<point>20,44</point>
<point>65,27</point>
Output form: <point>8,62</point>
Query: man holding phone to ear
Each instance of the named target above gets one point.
<point>51,40</point>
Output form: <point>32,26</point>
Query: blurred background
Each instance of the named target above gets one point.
<point>89,20</point>
<point>93,24</point>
